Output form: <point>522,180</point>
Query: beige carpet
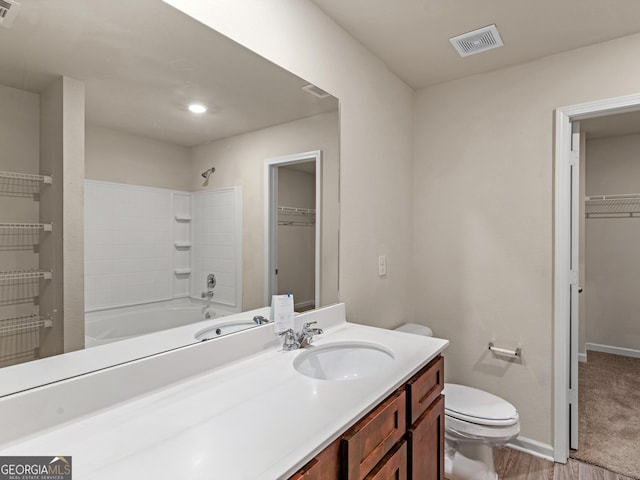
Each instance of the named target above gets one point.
<point>609,411</point>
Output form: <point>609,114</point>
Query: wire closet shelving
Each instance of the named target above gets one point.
<point>296,216</point>
<point>612,206</point>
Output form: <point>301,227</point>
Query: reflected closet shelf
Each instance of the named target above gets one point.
<point>27,176</point>
<point>26,275</point>
<point>27,322</point>
<point>45,227</point>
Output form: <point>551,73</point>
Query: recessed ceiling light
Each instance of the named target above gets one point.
<point>197,108</point>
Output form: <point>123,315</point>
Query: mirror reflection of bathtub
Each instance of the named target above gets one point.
<point>120,323</point>
<point>181,320</point>
<point>133,135</point>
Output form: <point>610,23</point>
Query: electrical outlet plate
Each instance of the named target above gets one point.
<point>382,265</point>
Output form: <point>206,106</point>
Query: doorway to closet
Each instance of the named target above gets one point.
<point>597,213</point>
<point>292,250</point>
<point>609,302</point>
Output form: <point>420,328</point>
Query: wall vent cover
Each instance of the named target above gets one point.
<point>481,40</point>
<point>313,90</point>
<point>8,12</point>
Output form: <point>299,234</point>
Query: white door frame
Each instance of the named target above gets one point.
<point>271,217</point>
<point>562,257</point>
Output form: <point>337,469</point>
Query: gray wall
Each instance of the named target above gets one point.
<point>483,201</point>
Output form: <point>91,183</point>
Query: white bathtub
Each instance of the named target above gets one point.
<point>107,326</point>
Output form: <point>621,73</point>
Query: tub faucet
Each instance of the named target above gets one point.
<point>208,294</point>
<point>260,320</point>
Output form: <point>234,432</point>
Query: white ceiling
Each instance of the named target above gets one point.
<point>143,62</point>
<point>412,36</point>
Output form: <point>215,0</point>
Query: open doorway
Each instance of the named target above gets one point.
<point>582,258</point>
<point>609,329</point>
<point>292,248</point>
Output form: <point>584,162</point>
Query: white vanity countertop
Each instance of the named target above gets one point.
<point>256,418</point>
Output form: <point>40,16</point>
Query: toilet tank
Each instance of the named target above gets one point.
<point>416,329</point>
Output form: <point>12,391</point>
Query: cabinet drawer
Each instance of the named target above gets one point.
<point>426,444</point>
<point>326,465</point>
<point>423,388</point>
<point>308,472</point>
<point>367,442</point>
<point>393,466</point>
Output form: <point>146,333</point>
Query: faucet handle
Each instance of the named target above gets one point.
<point>290,340</point>
<point>260,320</point>
<point>306,329</point>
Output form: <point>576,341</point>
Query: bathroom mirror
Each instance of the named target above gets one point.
<point>116,199</point>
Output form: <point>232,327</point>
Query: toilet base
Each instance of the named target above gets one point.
<point>469,461</point>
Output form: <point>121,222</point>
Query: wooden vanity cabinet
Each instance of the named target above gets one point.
<point>400,439</point>
<point>425,420</point>
<point>425,440</point>
<point>369,441</point>
<point>325,466</point>
<point>393,466</point>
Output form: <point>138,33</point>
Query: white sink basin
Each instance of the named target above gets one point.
<point>224,329</point>
<point>343,361</point>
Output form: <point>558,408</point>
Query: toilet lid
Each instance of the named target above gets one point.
<point>477,406</point>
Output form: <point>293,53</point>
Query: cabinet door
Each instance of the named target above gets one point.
<point>426,444</point>
<point>369,440</point>
<point>393,466</point>
<point>424,387</point>
<point>326,465</point>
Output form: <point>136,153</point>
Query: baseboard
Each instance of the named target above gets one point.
<point>625,352</point>
<point>582,357</point>
<point>532,447</point>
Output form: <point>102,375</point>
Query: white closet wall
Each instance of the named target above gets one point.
<point>612,270</point>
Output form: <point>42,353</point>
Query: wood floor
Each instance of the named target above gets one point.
<point>514,465</point>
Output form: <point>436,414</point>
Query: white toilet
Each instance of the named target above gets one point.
<point>475,422</point>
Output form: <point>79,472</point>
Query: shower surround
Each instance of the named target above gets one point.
<point>145,245</point>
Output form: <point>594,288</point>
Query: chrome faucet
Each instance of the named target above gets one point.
<point>211,283</point>
<point>260,320</point>
<point>305,338</point>
<point>290,340</point>
<point>293,340</point>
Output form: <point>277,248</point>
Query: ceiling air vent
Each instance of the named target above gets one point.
<point>313,90</point>
<point>477,41</point>
<point>8,12</point>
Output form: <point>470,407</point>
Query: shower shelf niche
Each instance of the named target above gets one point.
<point>183,218</point>
<point>182,271</point>
<point>183,244</point>
<point>28,322</point>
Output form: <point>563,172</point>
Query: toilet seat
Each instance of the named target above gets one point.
<point>477,406</point>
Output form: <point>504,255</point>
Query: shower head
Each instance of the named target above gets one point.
<point>208,172</point>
